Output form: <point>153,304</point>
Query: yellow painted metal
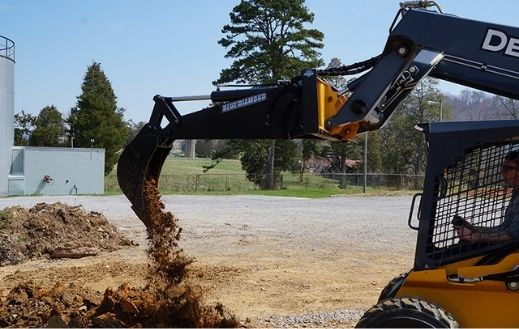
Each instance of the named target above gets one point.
<point>329,102</point>
<point>481,304</point>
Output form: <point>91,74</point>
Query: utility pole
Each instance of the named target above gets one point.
<point>270,183</point>
<point>364,187</point>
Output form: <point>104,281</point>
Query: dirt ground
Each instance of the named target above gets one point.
<point>260,270</point>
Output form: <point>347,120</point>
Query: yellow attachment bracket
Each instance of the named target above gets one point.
<point>329,102</point>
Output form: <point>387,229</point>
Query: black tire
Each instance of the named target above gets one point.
<point>392,287</point>
<point>406,313</point>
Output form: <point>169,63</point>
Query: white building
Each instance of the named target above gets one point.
<point>40,170</point>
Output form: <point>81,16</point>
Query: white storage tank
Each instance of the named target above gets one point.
<point>7,60</point>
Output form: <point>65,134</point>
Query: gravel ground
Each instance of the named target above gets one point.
<point>379,220</point>
<point>215,225</point>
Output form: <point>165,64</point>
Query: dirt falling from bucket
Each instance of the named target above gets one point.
<point>179,303</point>
<point>168,261</point>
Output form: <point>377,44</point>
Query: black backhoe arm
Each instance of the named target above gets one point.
<point>290,109</point>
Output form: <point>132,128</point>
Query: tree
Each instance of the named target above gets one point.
<point>374,151</point>
<point>96,121</point>
<point>338,81</point>
<point>23,127</point>
<point>269,42</point>
<point>477,105</point>
<point>403,148</point>
<point>49,128</point>
<point>309,148</point>
<point>205,148</point>
<point>471,105</point>
<point>507,107</point>
<point>133,129</point>
<point>338,152</point>
<point>253,155</point>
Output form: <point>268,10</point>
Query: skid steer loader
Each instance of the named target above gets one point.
<point>458,278</point>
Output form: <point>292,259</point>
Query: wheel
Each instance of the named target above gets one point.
<point>392,287</point>
<point>406,313</point>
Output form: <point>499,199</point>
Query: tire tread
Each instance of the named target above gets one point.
<point>409,303</point>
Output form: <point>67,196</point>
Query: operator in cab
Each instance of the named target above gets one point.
<point>508,230</point>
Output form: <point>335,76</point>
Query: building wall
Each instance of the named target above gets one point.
<point>57,171</point>
<point>6,120</point>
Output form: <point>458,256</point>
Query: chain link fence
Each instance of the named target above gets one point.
<point>194,183</point>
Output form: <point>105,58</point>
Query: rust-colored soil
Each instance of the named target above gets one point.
<point>164,299</point>
<point>54,231</point>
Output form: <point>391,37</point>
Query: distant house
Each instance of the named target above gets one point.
<point>324,166</point>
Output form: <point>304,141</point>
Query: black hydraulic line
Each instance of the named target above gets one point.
<point>506,276</point>
<point>352,69</point>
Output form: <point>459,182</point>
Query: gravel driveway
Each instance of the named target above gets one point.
<point>278,261</point>
<point>374,219</point>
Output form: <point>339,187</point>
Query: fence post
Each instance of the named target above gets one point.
<point>226,181</point>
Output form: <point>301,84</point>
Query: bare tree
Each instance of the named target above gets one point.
<point>507,107</point>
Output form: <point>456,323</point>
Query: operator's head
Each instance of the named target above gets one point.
<point>511,168</point>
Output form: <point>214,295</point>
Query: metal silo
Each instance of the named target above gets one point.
<point>6,110</point>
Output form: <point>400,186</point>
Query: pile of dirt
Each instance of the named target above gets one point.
<point>168,299</point>
<point>30,305</point>
<point>55,231</point>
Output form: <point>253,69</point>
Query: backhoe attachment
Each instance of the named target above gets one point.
<point>142,159</point>
<point>289,109</point>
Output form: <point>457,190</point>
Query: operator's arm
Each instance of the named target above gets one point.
<point>466,234</point>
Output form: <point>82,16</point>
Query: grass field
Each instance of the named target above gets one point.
<point>185,176</point>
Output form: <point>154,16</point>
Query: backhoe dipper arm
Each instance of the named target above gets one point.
<point>290,109</point>
<point>421,42</point>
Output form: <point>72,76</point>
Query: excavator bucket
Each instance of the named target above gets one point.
<point>140,164</point>
<point>141,161</point>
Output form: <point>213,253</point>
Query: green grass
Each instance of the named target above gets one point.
<point>315,192</point>
<point>185,176</point>
<point>185,166</point>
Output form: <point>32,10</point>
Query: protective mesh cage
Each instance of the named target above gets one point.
<point>476,189</point>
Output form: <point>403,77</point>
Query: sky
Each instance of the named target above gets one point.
<point>169,47</point>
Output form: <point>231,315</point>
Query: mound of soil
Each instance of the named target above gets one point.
<point>55,231</point>
<point>169,299</point>
<point>30,305</point>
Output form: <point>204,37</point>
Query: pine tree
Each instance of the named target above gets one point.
<point>49,128</point>
<point>23,127</point>
<point>269,42</point>
<point>96,121</point>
